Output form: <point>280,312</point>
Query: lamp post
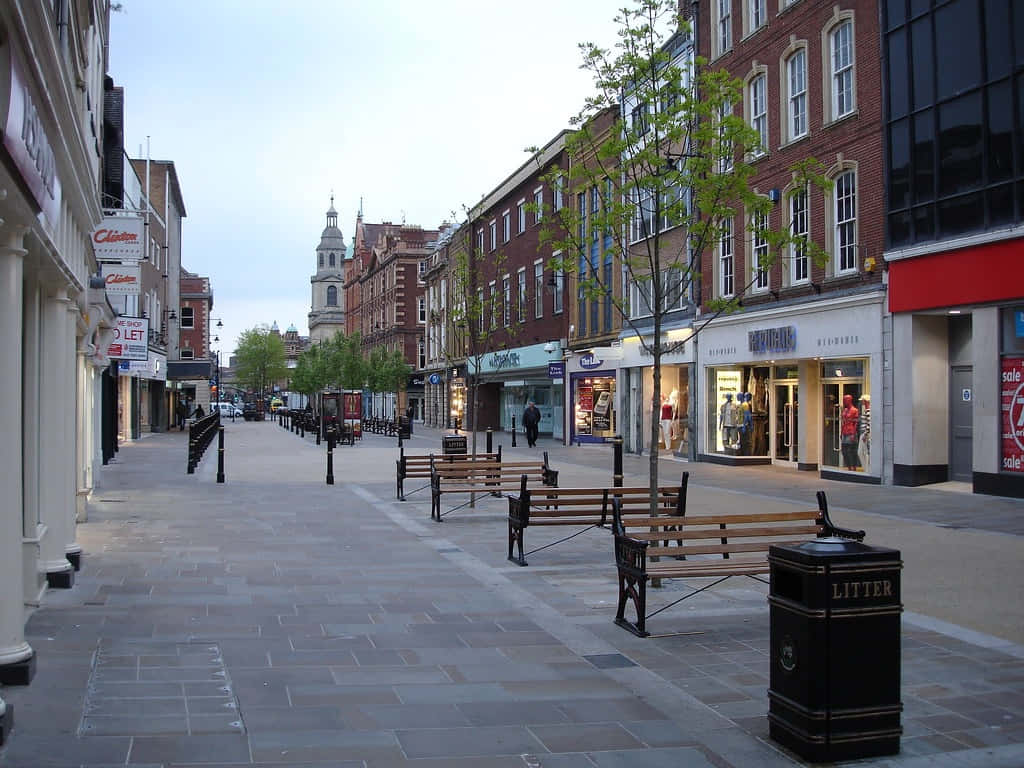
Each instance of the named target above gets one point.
<point>216,340</point>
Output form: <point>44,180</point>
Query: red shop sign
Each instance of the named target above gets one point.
<point>1011,421</point>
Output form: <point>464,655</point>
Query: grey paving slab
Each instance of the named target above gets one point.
<point>338,652</point>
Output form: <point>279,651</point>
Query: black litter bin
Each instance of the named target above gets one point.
<point>453,444</point>
<point>835,649</point>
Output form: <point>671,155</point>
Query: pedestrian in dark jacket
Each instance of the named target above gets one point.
<point>531,420</point>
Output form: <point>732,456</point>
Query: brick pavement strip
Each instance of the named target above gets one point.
<point>273,620</point>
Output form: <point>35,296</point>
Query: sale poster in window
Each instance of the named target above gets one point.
<point>1012,414</point>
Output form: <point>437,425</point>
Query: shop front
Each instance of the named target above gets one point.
<point>675,414</point>
<point>794,387</point>
<point>518,376</point>
<point>593,401</point>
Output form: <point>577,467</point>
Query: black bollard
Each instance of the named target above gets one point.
<point>220,454</point>
<point>319,427</point>
<point>302,428</point>
<point>490,440</point>
<point>330,460</point>
<point>617,461</point>
<point>513,431</point>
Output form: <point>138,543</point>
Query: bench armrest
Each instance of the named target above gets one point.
<point>830,528</point>
<point>550,477</point>
<point>631,556</point>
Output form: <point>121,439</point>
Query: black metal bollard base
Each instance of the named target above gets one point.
<point>330,460</point>
<point>220,454</point>
<point>513,431</point>
<point>617,461</point>
<point>490,440</point>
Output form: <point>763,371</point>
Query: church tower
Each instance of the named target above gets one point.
<point>327,312</point>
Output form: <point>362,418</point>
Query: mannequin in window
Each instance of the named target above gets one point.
<point>849,424</point>
<point>864,444</point>
<point>728,422</point>
<point>666,421</point>
<point>746,421</point>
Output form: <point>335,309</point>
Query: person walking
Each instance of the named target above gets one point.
<point>181,413</point>
<point>531,419</point>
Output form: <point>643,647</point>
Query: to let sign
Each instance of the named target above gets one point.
<point>1011,420</point>
<point>131,339</point>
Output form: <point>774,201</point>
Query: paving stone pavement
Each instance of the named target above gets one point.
<point>275,620</point>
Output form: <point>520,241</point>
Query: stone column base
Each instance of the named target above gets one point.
<point>61,579</point>
<point>6,723</point>
<point>18,672</point>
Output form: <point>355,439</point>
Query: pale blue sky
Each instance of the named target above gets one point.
<point>419,108</point>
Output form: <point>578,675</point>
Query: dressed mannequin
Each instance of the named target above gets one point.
<point>728,422</point>
<point>849,424</point>
<point>666,421</point>
<point>864,444</point>
<point>746,422</point>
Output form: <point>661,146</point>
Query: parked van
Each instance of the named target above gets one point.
<point>227,410</point>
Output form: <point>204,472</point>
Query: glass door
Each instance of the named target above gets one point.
<point>842,438</point>
<point>786,416</point>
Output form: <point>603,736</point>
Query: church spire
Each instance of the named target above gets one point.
<point>332,215</point>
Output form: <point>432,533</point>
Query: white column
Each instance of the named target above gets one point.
<point>34,574</point>
<point>72,549</point>
<point>55,434</point>
<point>17,658</point>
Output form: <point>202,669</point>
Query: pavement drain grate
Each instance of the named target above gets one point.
<point>446,550</point>
<point>609,660</point>
<point>149,688</point>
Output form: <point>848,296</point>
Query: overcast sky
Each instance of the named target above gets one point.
<point>417,107</point>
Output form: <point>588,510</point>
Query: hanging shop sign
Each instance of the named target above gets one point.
<point>434,379</point>
<point>1012,414</point>
<point>123,280</point>
<point>130,340</point>
<point>556,370</point>
<point>119,237</point>
<point>28,145</point>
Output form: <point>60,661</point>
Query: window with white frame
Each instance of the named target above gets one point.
<point>188,317</point>
<point>506,303</point>
<point>725,146</point>
<point>559,192</point>
<point>756,15</point>
<point>422,268</point>
<point>558,301</point>
<point>726,264</point>
<point>799,225</point>
<point>521,215</point>
<point>640,296</point>
<point>480,240</point>
<point>595,209</point>
<point>642,224</point>
<point>421,354</point>
<point>186,354</point>
<point>538,288</point>
<point>841,54</point>
<point>845,193</point>
<point>581,209</point>
<point>796,79</point>
<point>724,26</point>
<point>421,305</point>
<point>521,297</point>
<point>758,96</point>
<point>443,297</point>
<point>759,252</point>
<point>538,203</point>
<point>506,227</point>
<point>639,120</point>
<point>494,305</point>
<point>672,288</point>
<point>482,308</point>
<point>493,233</point>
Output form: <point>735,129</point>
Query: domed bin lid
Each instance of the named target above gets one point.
<point>831,548</point>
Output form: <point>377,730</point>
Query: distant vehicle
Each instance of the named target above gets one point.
<point>228,410</point>
<point>276,403</point>
<point>252,412</point>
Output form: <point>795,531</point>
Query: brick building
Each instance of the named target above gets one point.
<point>807,335</point>
<point>197,365</point>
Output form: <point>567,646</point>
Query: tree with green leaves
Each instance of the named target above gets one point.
<point>670,177</point>
<point>260,360</point>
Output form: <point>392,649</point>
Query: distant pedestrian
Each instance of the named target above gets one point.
<point>531,420</point>
<point>181,414</point>
<point>198,413</point>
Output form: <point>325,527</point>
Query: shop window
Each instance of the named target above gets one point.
<point>594,414</point>
<point>188,315</point>
<point>738,419</point>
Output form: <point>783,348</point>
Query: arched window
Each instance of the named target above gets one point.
<point>332,294</point>
<point>331,259</point>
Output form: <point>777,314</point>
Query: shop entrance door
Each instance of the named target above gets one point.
<point>832,454</point>
<point>786,416</point>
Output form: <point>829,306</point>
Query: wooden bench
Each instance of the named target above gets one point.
<point>493,477</point>
<point>589,507</point>
<point>717,546</point>
<point>417,466</point>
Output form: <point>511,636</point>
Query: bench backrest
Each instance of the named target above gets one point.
<point>426,460</point>
<point>727,533</point>
<point>670,499</point>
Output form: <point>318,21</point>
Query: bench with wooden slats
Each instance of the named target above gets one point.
<point>417,466</point>
<point>585,507</point>
<point>492,477</point>
<point>717,546</point>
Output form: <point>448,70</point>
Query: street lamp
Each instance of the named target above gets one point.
<point>217,381</point>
